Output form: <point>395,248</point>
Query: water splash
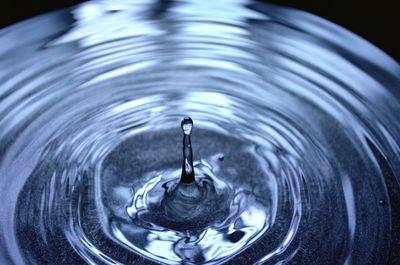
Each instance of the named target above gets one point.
<point>205,219</point>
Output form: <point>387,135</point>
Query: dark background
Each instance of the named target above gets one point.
<point>377,22</point>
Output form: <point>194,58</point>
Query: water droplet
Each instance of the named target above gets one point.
<point>187,175</point>
<point>187,125</point>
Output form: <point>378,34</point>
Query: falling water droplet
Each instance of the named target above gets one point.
<point>187,163</point>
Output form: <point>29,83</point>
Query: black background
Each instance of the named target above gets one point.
<point>378,22</point>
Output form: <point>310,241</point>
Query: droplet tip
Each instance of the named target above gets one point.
<point>187,125</point>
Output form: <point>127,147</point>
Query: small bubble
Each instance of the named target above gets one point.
<point>382,202</point>
<point>221,157</point>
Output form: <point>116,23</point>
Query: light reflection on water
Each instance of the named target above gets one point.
<point>305,113</point>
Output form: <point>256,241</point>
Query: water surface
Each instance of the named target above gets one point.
<point>305,114</point>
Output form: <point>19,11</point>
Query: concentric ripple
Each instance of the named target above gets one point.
<point>305,113</point>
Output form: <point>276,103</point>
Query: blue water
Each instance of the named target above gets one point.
<point>296,137</point>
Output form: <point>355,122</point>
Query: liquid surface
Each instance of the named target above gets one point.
<point>296,138</point>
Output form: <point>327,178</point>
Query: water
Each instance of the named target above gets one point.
<point>295,139</point>
<point>187,175</point>
<point>196,218</point>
